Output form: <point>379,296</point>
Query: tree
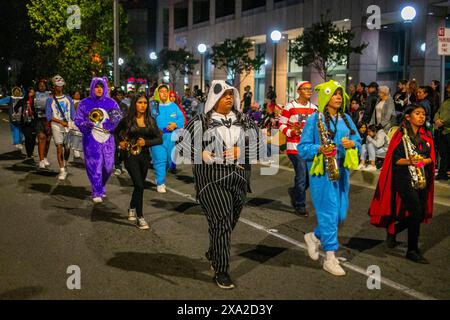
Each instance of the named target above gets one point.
<point>81,52</point>
<point>324,46</point>
<point>176,62</point>
<point>138,67</point>
<point>233,56</point>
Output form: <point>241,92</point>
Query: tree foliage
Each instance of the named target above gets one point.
<point>81,53</point>
<point>324,46</point>
<point>233,56</point>
<point>177,62</point>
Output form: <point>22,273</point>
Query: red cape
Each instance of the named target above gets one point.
<point>382,212</point>
<point>178,102</point>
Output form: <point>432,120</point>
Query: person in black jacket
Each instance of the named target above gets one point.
<point>138,128</point>
<point>28,121</point>
<point>371,102</point>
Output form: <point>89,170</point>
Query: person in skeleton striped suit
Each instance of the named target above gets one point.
<point>222,143</point>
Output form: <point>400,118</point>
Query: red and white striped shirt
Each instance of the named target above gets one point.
<point>294,113</point>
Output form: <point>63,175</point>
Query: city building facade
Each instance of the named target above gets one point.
<point>193,22</point>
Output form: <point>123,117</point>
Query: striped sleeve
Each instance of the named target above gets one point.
<point>284,120</point>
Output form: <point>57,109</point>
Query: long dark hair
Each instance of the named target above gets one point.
<point>130,117</point>
<point>416,139</point>
<point>339,114</point>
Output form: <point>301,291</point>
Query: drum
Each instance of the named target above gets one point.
<point>75,140</point>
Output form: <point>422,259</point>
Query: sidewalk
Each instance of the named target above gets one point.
<point>369,179</point>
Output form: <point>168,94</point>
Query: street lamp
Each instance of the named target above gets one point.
<point>153,56</point>
<point>408,14</point>
<point>276,37</point>
<point>120,61</point>
<point>202,49</point>
<point>9,70</point>
<point>116,43</point>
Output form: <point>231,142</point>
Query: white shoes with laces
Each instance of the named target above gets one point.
<point>313,245</point>
<point>332,265</point>
<point>161,188</point>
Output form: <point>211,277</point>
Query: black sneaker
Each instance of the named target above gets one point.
<point>416,256</point>
<point>391,242</point>
<point>223,280</point>
<point>302,212</point>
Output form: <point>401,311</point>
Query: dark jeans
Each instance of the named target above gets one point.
<point>444,151</point>
<point>301,181</point>
<point>29,132</point>
<point>119,155</point>
<point>137,167</point>
<point>414,201</point>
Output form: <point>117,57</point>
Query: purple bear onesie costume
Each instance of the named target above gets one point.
<point>98,146</point>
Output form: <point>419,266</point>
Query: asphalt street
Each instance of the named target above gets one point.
<point>47,226</point>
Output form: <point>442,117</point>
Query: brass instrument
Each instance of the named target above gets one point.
<point>331,163</point>
<point>418,179</point>
<point>96,115</point>
<point>132,147</point>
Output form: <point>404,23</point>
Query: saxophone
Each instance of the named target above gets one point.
<point>418,179</point>
<point>330,160</point>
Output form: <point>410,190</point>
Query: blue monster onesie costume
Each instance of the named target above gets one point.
<point>166,113</point>
<point>330,198</point>
<point>98,145</point>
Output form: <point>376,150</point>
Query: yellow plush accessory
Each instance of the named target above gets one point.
<point>351,161</point>
<point>317,168</point>
<point>326,90</point>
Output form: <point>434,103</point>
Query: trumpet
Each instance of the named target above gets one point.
<point>132,147</point>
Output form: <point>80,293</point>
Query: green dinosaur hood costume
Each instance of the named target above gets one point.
<point>326,90</point>
<point>156,94</point>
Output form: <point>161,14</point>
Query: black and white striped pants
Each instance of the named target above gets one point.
<point>221,192</point>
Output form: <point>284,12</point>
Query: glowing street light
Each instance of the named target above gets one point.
<point>408,14</point>
<point>201,49</point>
<point>120,61</point>
<point>276,37</point>
<point>153,56</point>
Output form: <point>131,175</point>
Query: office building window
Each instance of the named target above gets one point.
<point>180,14</point>
<point>252,4</point>
<point>225,8</point>
<point>201,11</point>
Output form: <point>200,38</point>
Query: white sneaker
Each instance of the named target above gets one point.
<point>42,164</point>
<point>331,265</point>
<point>313,245</point>
<point>161,188</point>
<point>117,172</point>
<point>361,167</point>
<point>132,214</point>
<point>142,224</point>
<point>371,168</point>
<point>97,200</point>
<point>62,174</point>
<point>46,162</point>
<point>19,146</point>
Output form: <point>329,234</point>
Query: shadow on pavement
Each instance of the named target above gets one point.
<point>101,213</point>
<point>12,155</point>
<point>267,255</point>
<point>160,265</point>
<point>185,179</point>
<point>268,203</point>
<point>23,293</point>
<point>189,208</point>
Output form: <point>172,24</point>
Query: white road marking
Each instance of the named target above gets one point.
<point>394,285</point>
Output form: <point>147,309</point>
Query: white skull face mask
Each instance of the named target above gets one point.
<point>218,88</point>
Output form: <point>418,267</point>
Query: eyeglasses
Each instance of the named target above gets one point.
<point>306,89</point>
